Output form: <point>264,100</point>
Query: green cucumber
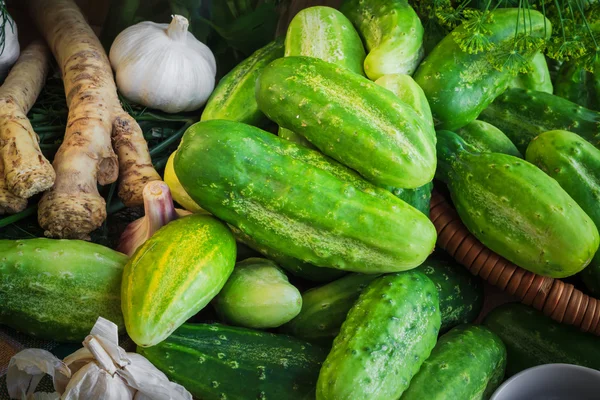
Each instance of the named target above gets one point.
<point>516,210</point>
<point>575,165</point>
<point>216,362</point>
<point>467,363</point>
<point>389,332</point>
<point>532,339</point>
<point>233,99</point>
<point>419,198</point>
<point>459,85</point>
<point>324,33</point>
<point>350,119</point>
<point>325,308</point>
<point>258,295</point>
<point>392,33</point>
<point>537,78</point>
<point>524,114</point>
<point>576,84</point>
<point>291,199</point>
<point>57,289</point>
<point>174,274</point>
<point>486,138</point>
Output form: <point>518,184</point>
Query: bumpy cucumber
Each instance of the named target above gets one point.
<point>57,289</point>
<point>233,99</point>
<point>576,84</point>
<point>325,308</point>
<point>575,165</point>
<point>324,33</point>
<point>467,363</point>
<point>486,138</point>
<point>173,275</point>
<point>388,334</point>
<point>537,78</point>
<point>392,33</point>
<point>258,295</point>
<point>459,85</point>
<point>349,118</point>
<point>292,200</point>
<point>216,362</point>
<point>524,114</point>
<point>531,339</point>
<point>516,210</point>
<point>177,191</point>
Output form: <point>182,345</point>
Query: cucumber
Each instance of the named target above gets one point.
<point>524,114</point>
<point>233,99</point>
<point>177,191</point>
<point>516,210</point>
<point>537,78</point>
<point>467,363</point>
<point>258,295</point>
<point>173,275</point>
<point>531,339</point>
<point>486,138</point>
<point>57,289</point>
<point>387,335</point>
<point>291,199</point>
<point>575,165</point>
<point>392,33</point>
<point>324,33</point>
<point>576,84</point>
<point>460,85</point>
<point>419,198</point>
<point>325,308</point>
<point>350,119</point>
<point>215,362</point>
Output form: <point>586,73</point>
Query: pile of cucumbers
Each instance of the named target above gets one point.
<point>317,156</point>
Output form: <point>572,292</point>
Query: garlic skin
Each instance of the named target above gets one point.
<point>11,45</point>
<point>163,66</point>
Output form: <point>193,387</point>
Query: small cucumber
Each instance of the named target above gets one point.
<point>575,165</point>
<point>233,99</point>
<point>467,363</point>
<point>537,78</point>
<point>258,295</point>
<point>173,275</point>
<point>392,33</point>
<point>516,210</point>
<point>389,332</point>
<point>531,339</point>
<point>486,138</point>
<point>57,289</point>
<point>524,114</point>
<point>460,85</point>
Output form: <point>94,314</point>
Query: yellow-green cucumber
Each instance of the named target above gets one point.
<point>174,274</point>
<point>486,138</point>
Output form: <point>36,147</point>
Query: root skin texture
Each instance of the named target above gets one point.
<point>9,203</point>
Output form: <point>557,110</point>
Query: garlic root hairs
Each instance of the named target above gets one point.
<point>26,170</point>
<point>73,207</point>
<point>9,203</point>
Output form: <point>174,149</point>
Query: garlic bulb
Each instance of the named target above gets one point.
<point>11,50</point>
<point>163,66</point>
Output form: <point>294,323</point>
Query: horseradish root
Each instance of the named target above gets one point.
<point>26,170</point>
<point>73,207</point>
<point>9,203</point>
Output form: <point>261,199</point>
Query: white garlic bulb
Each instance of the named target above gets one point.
<point>163,66</point>
<point>11,50</point>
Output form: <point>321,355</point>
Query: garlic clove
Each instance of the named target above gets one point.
<point>27,368</point>
<point>93,382</point>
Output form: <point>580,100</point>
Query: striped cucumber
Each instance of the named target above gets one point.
<point>216,362</point>
<point>291,199</point>
<point>486,138</point>
<point>524,114</point>
<point>350,119</point>
<point>388,334</point>
<point>173,275</point>
<point>575,165</point>
<point>459,85</point>
<point>537,78</point>
<point>516,210</point>
<point>233,99</point>
<point>392,33</point>
<point>467,363</point>
<point>57,289</point>
<point>324,33</point>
